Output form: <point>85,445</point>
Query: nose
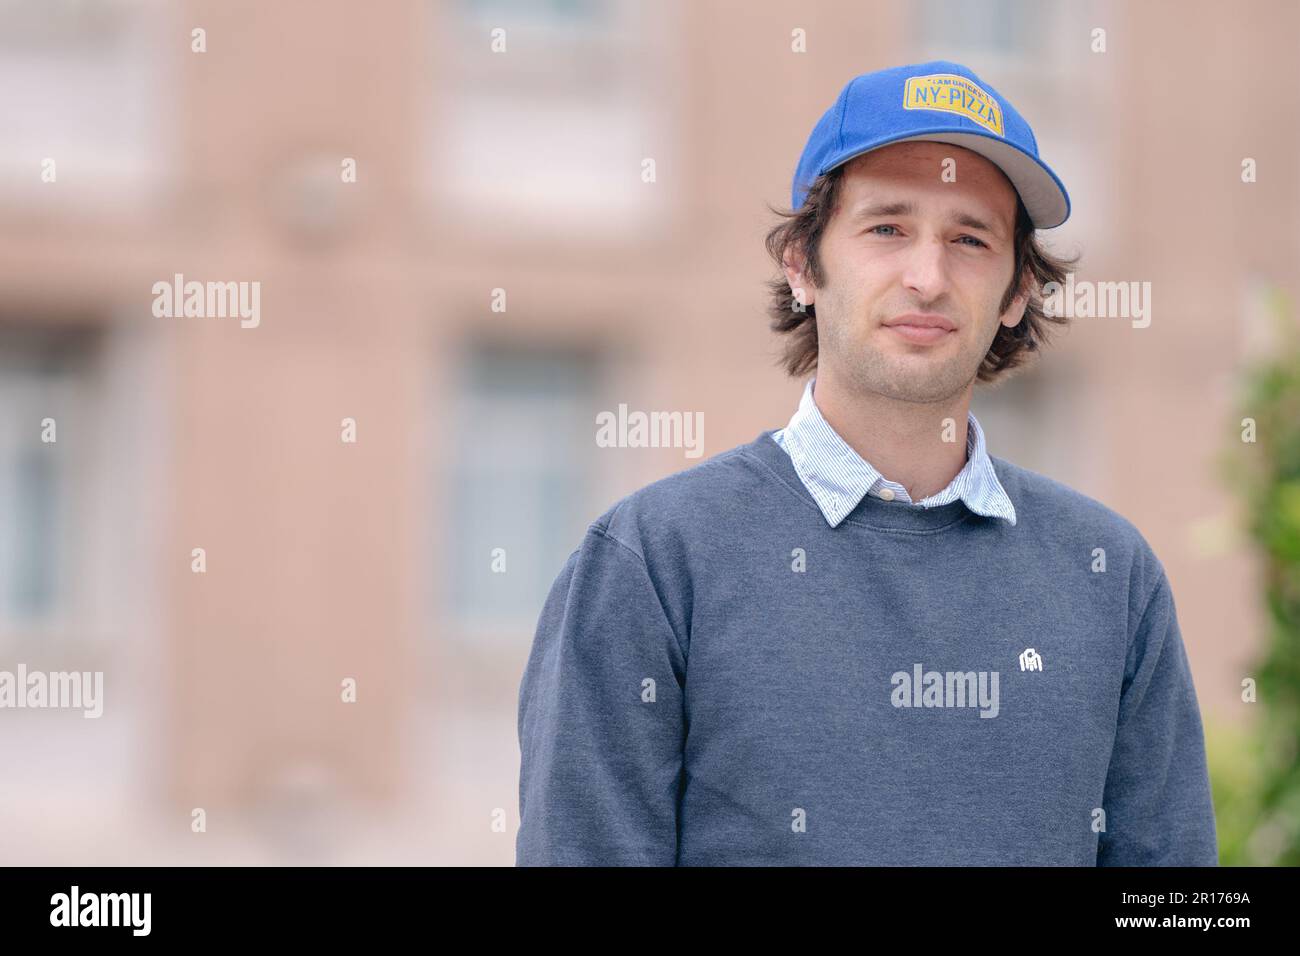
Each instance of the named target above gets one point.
<point>925,271</point>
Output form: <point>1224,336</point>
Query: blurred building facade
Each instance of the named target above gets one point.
<point>535,234</point>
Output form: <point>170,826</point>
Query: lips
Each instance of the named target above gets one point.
<point>921,329</point>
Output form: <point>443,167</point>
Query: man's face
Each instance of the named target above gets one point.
<point>905,248</point>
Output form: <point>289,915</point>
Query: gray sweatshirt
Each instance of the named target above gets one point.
<point>719,678</point>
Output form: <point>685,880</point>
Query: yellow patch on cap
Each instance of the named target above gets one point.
<point>949,93</point>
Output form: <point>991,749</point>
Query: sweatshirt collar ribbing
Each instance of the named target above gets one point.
<point>870,511</point>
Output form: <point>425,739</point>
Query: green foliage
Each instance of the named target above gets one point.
<point>1254,772</point>
<point>1233,754</point>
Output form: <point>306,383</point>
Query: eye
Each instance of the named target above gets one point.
<point>874,229</point>
<point>977,242</point>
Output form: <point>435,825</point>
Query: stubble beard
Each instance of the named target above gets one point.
<point>864,367</point>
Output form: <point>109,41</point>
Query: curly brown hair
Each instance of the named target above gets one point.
<point>802,231</point>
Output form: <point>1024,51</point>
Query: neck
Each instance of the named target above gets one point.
<point>902,440</point>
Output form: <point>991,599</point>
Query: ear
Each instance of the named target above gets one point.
<point>1016,310</point>
<point>800,285</point>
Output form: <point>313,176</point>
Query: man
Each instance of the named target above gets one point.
<point>861,639</point>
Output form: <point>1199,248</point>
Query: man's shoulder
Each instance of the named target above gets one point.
<point>1050,507</point>
<point>685,502</point>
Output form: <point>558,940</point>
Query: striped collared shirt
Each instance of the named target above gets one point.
<point>838,477</point>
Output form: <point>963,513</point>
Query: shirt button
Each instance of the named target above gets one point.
<point>887,494</point>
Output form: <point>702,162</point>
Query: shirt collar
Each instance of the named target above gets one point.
<point>838,477</point>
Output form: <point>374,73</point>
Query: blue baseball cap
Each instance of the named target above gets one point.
<point>942,102</point>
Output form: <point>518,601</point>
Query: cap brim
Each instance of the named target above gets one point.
<point>1042,193</point>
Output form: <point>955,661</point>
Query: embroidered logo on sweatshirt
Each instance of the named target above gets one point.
<point>923,688</point>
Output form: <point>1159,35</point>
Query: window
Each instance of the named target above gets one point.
<point>83,82</point>
<point>80,516</point>
<point>1031,419</point>
<point>553,130</point>
<point>520,441</point>
<point>1008,30</point>
<point>44,375</point>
